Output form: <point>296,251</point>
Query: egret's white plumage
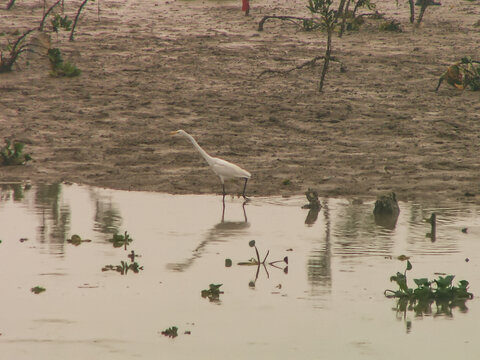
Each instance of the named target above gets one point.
<point>224,169</point>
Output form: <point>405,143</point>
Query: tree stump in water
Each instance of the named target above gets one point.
<point>386,210</point>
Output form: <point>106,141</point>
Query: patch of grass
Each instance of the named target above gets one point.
<point>287,182</point>
<point>59,66</point>
<point>13,155</point>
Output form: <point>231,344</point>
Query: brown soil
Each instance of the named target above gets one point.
<point>150,67</point>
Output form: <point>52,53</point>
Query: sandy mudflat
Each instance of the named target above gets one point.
<point>150,67</point>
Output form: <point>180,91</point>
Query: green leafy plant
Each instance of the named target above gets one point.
<point>212,293</point>
<point>171,332</point>
<point>463,74</point>
<point>436,289</point>
<point>37,290</point>
<point>13,51</point>
<point>310,24</point>
<point>440,292</point>
<point>119,240</point>
<point>13,155</point>
<point>59,22</point>
<point>59,66</point>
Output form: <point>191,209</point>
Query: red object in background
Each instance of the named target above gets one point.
<point>245,5</point>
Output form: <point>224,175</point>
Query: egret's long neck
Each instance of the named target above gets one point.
<point>200,150</point>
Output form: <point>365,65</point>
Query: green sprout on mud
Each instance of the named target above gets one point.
<point>119,240</point>
<point>212,293</point>
<point>59,22</point>
<point>441,291</point>
<point>13,155</point>
<point>37,289</point>
<point>59,66</point>
<point>13,51</point>
<point>171,332</point>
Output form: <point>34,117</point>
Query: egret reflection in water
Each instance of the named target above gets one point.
<point>218,233</point>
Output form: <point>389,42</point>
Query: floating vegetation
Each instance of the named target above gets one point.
<point>171,332</point>
<point>13,155</point>
<point>119,240</point>
<point>213,292</point>
<point>37,289</point>
<point>420,299</point>
<point>77,240</point>
<point>124,267</point>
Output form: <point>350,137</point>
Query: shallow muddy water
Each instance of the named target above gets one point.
<point>328,305</point>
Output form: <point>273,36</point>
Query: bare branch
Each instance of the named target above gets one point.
<point>265,18</point>
<point>311,62</point>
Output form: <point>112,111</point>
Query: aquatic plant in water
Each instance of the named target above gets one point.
<point>77,240</point>
<point>440,291</point>
<point>171,332</point>
<point>119,240</point>
<point>213,292</point>
<point>124,267</point>
<point>37,289</point>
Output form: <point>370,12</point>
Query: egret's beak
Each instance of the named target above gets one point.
<point>174,132</point>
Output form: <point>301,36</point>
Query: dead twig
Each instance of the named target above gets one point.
<point>311,62</point>
<point>265,18</point>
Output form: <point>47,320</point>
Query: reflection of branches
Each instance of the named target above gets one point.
<point>48,197</point>
<point>319,262</point>
<point>107,217</point>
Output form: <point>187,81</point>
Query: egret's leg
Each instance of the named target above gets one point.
<point>223,188</point>
<point>244,188</point>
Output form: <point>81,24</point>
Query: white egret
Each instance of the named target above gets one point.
<point>223,169</point>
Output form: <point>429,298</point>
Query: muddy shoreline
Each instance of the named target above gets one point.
<point>151,68</point>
